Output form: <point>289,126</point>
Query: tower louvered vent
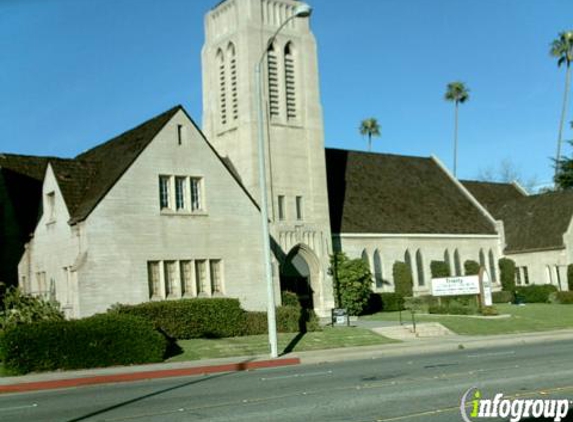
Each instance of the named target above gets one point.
<point>273,82</point>
<point>290,83</point>
<point>222,88</point>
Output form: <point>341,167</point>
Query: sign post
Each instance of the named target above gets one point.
<point>485,287</point>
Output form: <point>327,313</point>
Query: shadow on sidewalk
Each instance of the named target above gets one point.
<point>242,367</point>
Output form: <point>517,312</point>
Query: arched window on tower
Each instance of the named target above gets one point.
<point>492,272</point>
<point>420,267</point>
<point>290,81</point>
<point>378,271</point>
<point>222,87</point>
<point>232,59</point>
<point>457,263</point>
<point>273,76</point>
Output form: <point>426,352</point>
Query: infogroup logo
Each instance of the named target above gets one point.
<point>474,407</point>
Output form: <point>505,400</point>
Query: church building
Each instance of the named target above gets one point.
<point>167,210</point>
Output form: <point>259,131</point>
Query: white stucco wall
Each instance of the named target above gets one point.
<point>544,267</point>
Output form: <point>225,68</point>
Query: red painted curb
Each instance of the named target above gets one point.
<point>165,373</point>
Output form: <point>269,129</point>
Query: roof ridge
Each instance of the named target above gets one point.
<point>378,154</point>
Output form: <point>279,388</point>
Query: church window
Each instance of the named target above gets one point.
<point>365,258</point>
<point>290,84</point>
<point>41,281</point>
<point>281,206</point>
<point>457,263</point>
<point>164,184</point>
<point>153,279</point>
<point>273,76</point>
<point>180,134</point>
<point>481,258</point>
<point>180,193</point>
<point>201,276</point>
<point>215,268</point>
<point>378,271</point>
<point>51,206</point>
<point>169,276</point>
<point>233,82</point>
<point>299,206</point>
<point>420,267</point>
<point>186,280</point>
<point>222,87</point>
<point>492,275</point>
<point>196,200</point>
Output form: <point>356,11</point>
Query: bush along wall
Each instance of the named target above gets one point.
<point>507,274</point>
<point>98,341</point>
<point>403,283</point>
<point>535,293</point>
<point>385,302</point>
<point>352,282</point>
<point>570,277</point>
<point>439,269</point>
<point>502,297</point>
<point>563,298</point>
<point>471,267</point>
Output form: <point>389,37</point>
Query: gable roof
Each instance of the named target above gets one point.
<point>537,222</point>
<point>493,195</point>
<point>26,165</point>
<point>383,193</point>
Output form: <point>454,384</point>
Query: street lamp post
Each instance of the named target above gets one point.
<point>301,11</point>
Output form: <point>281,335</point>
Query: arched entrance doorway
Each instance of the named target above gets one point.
<point>297,273</point>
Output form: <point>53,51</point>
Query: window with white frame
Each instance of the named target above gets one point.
<point>180,183</point>
<point>196,200</point>
<point>169,277</point>
<point>215,268</point>
<point>164,192</point>
<point>185,273</point>
<point>41,282</point>
<point>201,277</point>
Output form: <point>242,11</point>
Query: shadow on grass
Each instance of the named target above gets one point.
<point>242,367</point>
<point>290,347</point>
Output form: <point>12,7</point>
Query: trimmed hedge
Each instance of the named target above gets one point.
<point>191,318</point>
<point>471,267</point>
<point>98,341</point>
<point>535,293</point>
<point>507,274</point>
<point>564,298</point>
<point>489,311</point>
<point>385,302</point>
<point>439,269</point>
<point>290,319</point>
<point>570,276</point>
<point>451,309</point>
<point>403,282</point>
<point>502,297</point>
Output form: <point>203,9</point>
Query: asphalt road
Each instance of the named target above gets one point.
<point>424,388</point>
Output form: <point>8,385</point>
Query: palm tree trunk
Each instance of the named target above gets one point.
<point>562,121</point>
<point>369,142</point>
<point>456,142</point>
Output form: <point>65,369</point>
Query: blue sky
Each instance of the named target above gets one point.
<point>74,73</point>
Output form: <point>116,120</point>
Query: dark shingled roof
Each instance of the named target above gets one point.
<point>493,195</point>
<point>26,165</point>
<point>537,222</point>
<point>382,193</point>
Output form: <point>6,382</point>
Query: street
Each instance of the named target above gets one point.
<point>411,388</point>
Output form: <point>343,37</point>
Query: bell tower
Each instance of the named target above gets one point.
<point>237,32</point>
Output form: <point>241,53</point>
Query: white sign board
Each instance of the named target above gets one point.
<point>456,286</point>
<point>486,286</point>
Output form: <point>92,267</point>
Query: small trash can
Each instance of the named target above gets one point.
<point>340,317</point>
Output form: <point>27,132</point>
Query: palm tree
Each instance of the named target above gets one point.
<point>458,93</point>
<point>562,49</point>
<point>371,128</point>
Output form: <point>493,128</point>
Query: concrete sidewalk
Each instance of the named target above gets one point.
<point>67,379</point>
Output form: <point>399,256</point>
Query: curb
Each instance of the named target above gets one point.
<point>145,375</point>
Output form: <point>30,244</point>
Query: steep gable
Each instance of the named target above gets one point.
<point>383,193</point>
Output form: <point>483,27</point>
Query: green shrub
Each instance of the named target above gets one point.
<point>535,293</point>
<point>290,319</point>
<point>352,282</point>
<point>507,274</point>
<point>20,308</point>
<point>403,283</point>
<point>453,305</point>
<point>439,269</point>
<point>570,276</point>
<point>471,267</point>
<point>191,318</point>
<point>289,299</point>
<point>98,341</point>
<point>385,302</point>
<point>563,298</point>
<point>489,311</point>
<point>502,297</point>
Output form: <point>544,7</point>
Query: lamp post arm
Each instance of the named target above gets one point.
<point>272,39</point>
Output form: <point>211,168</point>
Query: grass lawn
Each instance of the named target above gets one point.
<point>528,318</point>
<point>255,345</point>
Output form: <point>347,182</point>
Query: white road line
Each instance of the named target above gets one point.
<point>29,406</point>
<point>310,374</point>
<point>485,355</point>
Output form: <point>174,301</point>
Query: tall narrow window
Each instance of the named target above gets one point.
<point>290,86</point>
<point>365,258</point>
<point>525,275</point>
<point>153,279</point>
<point>169,275</point>
<point>186,280</point>
<point>273,76</point>
<point>51,206</point>
<point>201,277</point>
<point>481,258</point>
<point>408,261</point>
<point>518,276</point>
<point>222,87</point>
<point>378,276</point>
<point>557,277</point>
<point>492,275</point>
<point>164,191</point>
<point>457,263</point>
<point>447,261</point>
<point>216,284</point>
<point>196,202</point>
<point>180,134</point>
<point>420,266</point>
<point>299,205</point>
<point>233,74</point>
<point>180,193</point>
<point>281,206</point>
